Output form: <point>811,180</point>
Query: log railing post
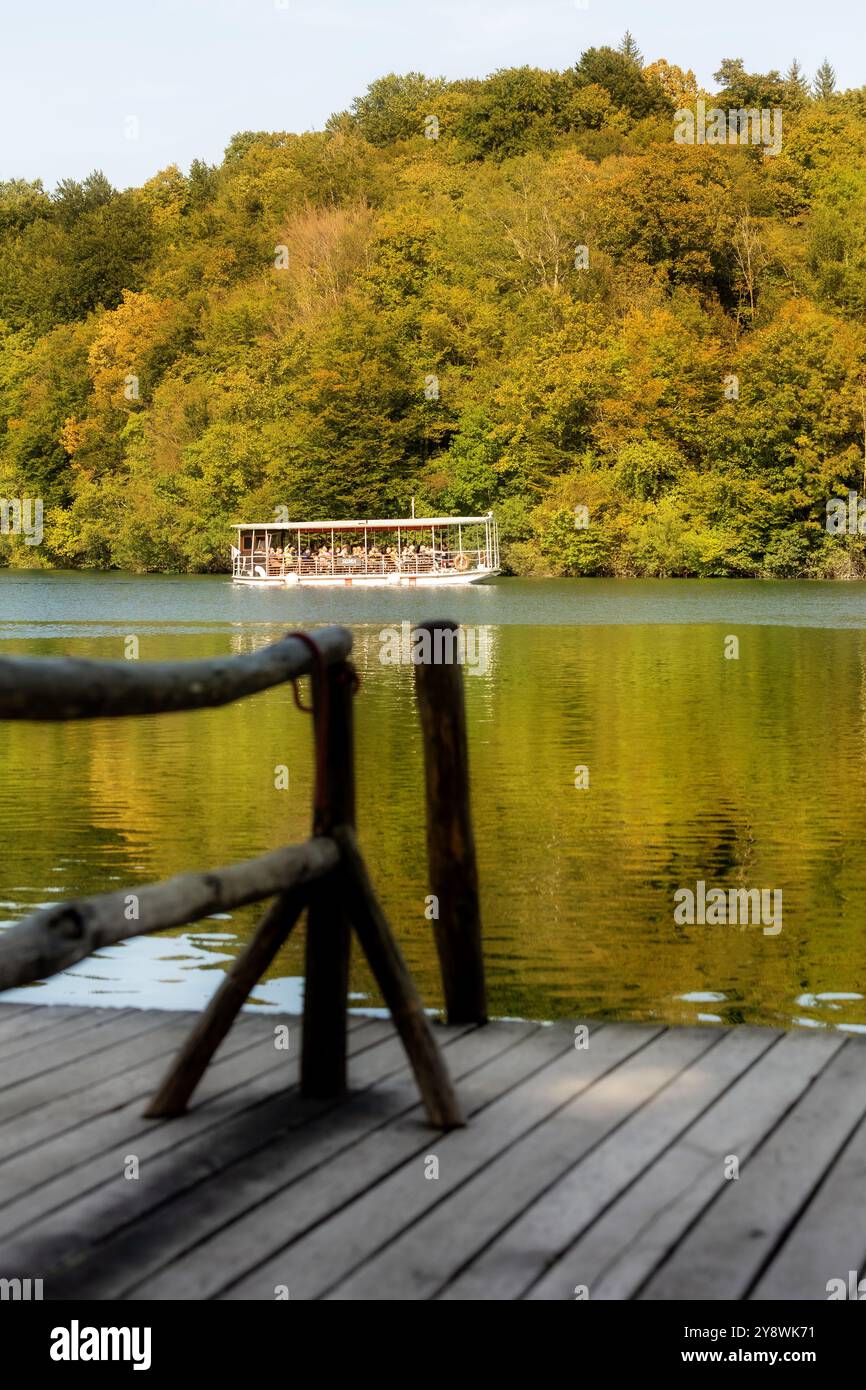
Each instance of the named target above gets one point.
<point>214,1023</point>
<point>398,988</point>
<point>326,987</point>
<point>450,840</point>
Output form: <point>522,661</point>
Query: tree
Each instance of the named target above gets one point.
<point>751,258</point>
<point>645,468</point>
<point>741,89</point>
<point>105,251</point>
<point>72,199</point>
<point>240,143</point>
<point>679,86</point>
<point>825,82</point>
<point>202,183</point>
<point>672,214</point>
<point>797,86</point>
<point>623,80</point>
<point>629,49</point>
<point>394,107</point>
<point>516,110</point>
<point>21,203</point>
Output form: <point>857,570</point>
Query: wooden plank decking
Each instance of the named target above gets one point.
<point>602,1167</point>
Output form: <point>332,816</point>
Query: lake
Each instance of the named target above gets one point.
<point>741,773</point>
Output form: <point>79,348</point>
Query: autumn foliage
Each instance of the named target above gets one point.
<point>516,293</point>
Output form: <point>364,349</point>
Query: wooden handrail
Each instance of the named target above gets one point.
<point>61,688</point>
<point>326,875</point>
<point>57,937</point>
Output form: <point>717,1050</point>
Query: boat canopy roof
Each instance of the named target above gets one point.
<point>406,523</point>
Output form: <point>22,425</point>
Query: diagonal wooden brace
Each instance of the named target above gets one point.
<point>397,986</point>
<point>189,1065</point>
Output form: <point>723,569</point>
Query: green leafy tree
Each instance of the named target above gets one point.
<point>516,110</point>
<point>106,250</point>
<point>21,202</point>
<point>622,79</point>
<point>73,199</point>
<point>395,107</point>
<point>749,90</point>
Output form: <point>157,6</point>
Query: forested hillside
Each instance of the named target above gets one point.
<point>515,293</point>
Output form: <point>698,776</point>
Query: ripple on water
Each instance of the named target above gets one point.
<point>698,768</point>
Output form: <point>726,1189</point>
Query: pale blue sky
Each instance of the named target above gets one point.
<point>193,72</point>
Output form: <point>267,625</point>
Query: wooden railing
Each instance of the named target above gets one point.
<point>326,875</point>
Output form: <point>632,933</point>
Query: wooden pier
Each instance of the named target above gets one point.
<point>600,1167</point>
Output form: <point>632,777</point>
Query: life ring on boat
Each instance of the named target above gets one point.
<point>462,563</point>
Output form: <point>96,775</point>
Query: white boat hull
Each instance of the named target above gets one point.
<point>366,581</point>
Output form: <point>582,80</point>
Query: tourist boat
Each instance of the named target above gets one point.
<point>434,551</point>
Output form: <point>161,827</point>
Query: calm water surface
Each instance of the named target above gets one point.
<point>746,773</point>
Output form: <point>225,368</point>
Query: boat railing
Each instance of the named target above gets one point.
<point>277,563</point>
<point>326,876</point>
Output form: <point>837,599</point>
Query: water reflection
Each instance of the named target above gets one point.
<point>740,773</point>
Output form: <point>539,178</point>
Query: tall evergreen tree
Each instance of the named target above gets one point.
<point>797,91</point>
<point>629,49</point>
<point>825,81</point>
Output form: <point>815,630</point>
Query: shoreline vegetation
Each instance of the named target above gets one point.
<point>520,293</point>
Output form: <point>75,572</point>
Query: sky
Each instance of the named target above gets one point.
<point>132,87</point>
